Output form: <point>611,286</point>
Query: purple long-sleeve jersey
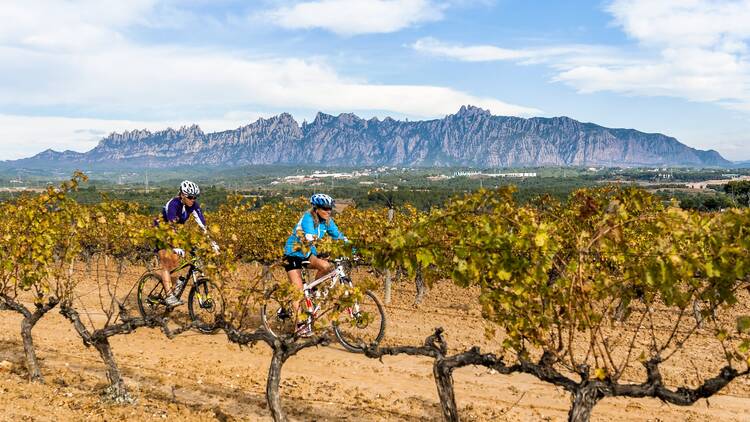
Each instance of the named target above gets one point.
<point>176,212</point>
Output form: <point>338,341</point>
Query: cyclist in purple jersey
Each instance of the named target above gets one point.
<point>178,211</point>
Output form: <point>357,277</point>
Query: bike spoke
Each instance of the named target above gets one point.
<point>205,305</point>
<point>151,296</point>
<point>362,324</point>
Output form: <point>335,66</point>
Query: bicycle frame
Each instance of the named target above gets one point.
<point>192,275</point>
<point>336,276</point>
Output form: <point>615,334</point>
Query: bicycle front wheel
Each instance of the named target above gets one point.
<point>277,313</point>
<point>361,325</point>
<point>205,305</point>
<point>151,296</point>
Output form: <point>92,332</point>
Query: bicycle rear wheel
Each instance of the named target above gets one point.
<point>277,313</point>
<point>357,329</point>
<point>205,304</point>
<point>151,296</point>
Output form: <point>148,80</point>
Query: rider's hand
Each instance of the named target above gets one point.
<point>179,251</point>
<point>309,237</point>
<point>215,246</point>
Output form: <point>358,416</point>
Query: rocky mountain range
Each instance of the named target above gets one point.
<point>471,137</point>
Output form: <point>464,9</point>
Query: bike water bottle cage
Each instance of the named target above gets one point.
<point>180,285</point>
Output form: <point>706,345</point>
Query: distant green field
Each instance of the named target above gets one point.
<point>421,187</point>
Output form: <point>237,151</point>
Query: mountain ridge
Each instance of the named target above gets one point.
<point>471,137</point>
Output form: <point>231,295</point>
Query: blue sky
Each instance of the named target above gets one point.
<point>73,71</point>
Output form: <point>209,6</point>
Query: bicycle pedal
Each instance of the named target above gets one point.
<point>282,314</point>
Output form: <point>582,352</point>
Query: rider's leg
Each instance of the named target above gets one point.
<point>320,264</point>
<point>295,277</point>
<point>168,261</point>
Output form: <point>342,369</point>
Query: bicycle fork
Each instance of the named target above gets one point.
<point>311,310</point>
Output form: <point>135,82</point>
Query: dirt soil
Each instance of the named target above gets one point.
<point>197,377</point>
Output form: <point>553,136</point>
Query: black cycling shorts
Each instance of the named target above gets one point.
<point>293,262</point>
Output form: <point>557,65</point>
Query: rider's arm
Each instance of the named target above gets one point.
<point>307,225</point>
<point>197,213</point>
<point>334,232</point>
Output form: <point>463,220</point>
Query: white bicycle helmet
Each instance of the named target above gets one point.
<point>321,200</point>
<point>189,188</point>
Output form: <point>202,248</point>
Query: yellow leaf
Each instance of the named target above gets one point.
<point>541,239</point>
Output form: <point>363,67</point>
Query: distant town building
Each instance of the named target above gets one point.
<point>479,173</point>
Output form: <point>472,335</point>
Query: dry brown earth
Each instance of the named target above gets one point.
<point>205,378</point>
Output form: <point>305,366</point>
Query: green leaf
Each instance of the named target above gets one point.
<point>743,323</point>
<point>425,257</point>
<point>503,275</point>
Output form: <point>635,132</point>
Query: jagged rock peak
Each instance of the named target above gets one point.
<point>285,120</point>
<point>115,138</point>
<point>322,119</point>
<point>132,134</point>
<point>193,130</point>
<point>348,119</point>
<point>286,117</point>
<point>471,111</point>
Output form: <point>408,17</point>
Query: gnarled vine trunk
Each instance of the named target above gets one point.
<point>387,287</point>
<point>32,363</point>
<point>583,401</point>
<point>421,287</point>
<point>27,324</point>
<point>116,390</point>
<point>444,381</point>
<point>283,348</point>
<point>272,384</point>
<point>443,366</point>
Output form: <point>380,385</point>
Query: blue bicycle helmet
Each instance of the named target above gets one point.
<point>321,200</point>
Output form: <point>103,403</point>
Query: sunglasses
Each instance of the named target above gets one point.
<point>190,197</point>
<point>325,208</point>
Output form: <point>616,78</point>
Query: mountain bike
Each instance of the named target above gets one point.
<point>357,322</point>
<point>204,302</point>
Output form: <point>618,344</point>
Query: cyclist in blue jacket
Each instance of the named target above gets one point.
<point>314,224</point>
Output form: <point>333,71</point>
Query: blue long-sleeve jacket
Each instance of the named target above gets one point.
<point>307,225</point>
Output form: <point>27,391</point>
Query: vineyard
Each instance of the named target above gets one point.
<point>611,295</point>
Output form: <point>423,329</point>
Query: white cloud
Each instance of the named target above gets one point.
<point>699,52</point>
<point>353,17</point>
<point>91,68</point>
<point>68,25</point>
<point>691,49</point>
<point>694,23</point>
<point>569,54</point>
<point>170,80</point>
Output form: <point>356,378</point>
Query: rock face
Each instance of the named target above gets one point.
<point>472,137</point>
